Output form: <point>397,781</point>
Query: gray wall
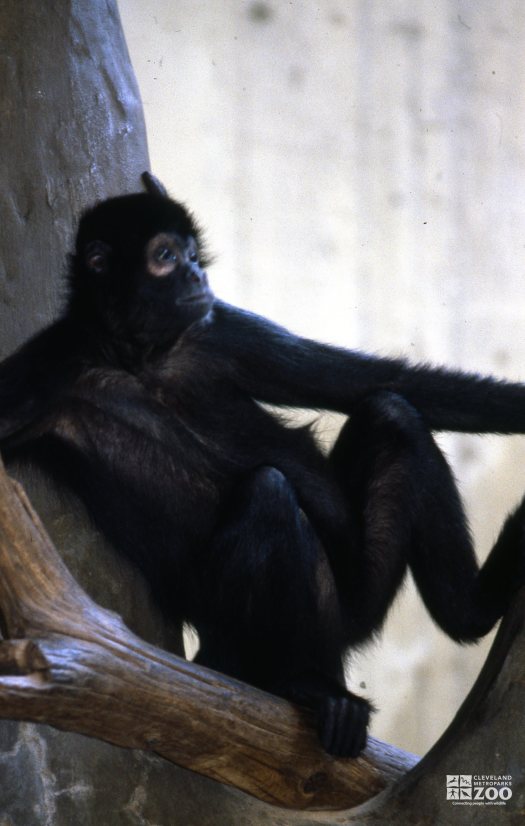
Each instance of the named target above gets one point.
<point>360,168</point>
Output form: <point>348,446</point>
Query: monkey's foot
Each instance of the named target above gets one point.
<point>342,725</point>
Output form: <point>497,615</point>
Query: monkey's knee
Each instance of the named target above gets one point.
<point>380,417</point>
<point>262,494</point>
<point>387,410</point>
<point>267,481</point>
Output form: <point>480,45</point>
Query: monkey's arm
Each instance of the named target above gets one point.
<point>32,378</point>
<point>276,366</point>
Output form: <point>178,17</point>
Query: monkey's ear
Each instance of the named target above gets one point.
<point>96,257</point>
<point>153,186</point>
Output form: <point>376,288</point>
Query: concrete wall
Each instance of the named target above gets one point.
<point>359,166</point>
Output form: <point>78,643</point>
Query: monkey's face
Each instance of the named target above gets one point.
<point>139,269</point>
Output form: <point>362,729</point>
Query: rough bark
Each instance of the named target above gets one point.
<point>71,132</point>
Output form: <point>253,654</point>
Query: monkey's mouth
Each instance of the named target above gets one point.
<point>194,298</point>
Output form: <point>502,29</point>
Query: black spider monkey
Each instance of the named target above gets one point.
<point>144,397</point>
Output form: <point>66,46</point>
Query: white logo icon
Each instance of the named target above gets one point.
<point>472,790</point>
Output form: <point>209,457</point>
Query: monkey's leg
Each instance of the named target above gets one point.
<point>379,463</point>
<point>272,612</point>
<point>405,506</point>
<point>464,599</point>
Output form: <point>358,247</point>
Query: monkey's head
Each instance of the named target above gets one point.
<point>138,271</point>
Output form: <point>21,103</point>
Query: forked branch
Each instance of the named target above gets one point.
<point>69,663</point>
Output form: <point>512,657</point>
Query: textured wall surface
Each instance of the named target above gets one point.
<point>360,167</point>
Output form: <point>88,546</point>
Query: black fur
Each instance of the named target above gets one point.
<point>143,397</point>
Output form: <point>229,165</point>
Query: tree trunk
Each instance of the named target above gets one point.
<point>71,132</point>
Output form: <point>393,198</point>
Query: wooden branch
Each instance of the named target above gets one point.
<point>67,662</point>
<point>485,737</point>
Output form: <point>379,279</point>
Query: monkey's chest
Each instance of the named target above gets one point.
<point>150,465</point>
<point>159,469</point>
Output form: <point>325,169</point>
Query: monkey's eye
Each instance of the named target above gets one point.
<point>163,254</point>
<point>194,258</point>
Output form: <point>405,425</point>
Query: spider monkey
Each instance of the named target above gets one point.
<point>144,397</point>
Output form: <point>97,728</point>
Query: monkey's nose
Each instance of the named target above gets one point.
<point>194,275</point>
